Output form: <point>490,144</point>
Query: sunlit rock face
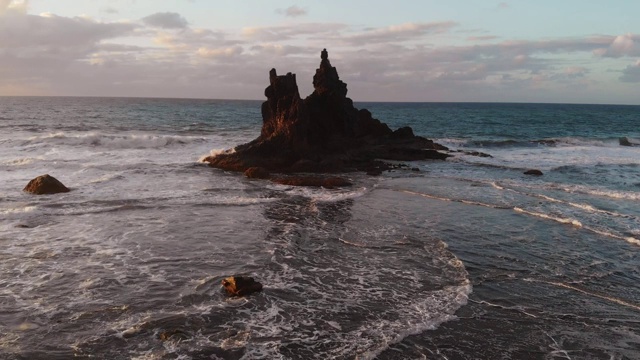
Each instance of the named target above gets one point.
<point>45,184</point>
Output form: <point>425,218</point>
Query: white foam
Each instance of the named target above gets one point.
<point>21,161</point>
<point>583,291</point>
<point>216,152</point>
<point>629,239</point>
<point>568,221</point>
<point>462,201</point>
<point>19,210</point>
<point>114,141</point>
<point>321,195</point>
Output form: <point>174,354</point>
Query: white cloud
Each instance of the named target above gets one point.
<point>289,32</point>
<point>166,20</point>
<point>398,33</point>
<point>228,52</point>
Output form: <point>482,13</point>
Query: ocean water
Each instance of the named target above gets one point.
<point>465,259</point>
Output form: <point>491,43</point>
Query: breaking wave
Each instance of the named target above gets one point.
<point>113,141</point>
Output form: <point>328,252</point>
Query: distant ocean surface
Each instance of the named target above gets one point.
<point>465,259</point>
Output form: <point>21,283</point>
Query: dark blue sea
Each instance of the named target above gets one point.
<point>464,259</point>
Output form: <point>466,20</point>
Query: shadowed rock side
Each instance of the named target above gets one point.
<point>241,285</point>
<point>322,133</point>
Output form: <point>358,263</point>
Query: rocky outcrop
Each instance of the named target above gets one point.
<point>322,133</point>
<point>534,172</point>
<point>45,184</point>
<point>241,285</point>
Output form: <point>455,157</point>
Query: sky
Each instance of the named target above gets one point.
<point>565,51</point>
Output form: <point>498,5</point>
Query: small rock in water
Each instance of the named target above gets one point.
<point>45,184</point>
<point>175,335</point>
<point>625,142</point>
<point>241,285</point>
<point>534,172</point>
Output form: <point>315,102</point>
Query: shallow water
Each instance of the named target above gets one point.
<point>467,258</point>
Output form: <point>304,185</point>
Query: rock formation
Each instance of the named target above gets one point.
<point>241,285</point>
<point>45,184</point>
<point>534,172</point>
<point>322,133</point>
<point>625,142</point>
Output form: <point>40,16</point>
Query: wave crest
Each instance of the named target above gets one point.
<point>114,141</point>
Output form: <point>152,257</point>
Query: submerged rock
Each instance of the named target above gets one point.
<point>534,172</point>
<point>241,285</point>
<point>625,142</point>
<point>257,173</point>
<point>314,181</point>
<point>322,133</point>
<point>45,184</point>
<point>174,335</point>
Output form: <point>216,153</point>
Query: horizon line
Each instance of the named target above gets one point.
<point>355,101</point>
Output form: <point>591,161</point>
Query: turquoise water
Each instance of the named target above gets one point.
<point>467,258</point>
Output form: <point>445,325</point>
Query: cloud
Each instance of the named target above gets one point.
<point>622,45</point>
<point>110,10</point>
<point>292,11</point>
<point>228,52</point>
<point>54,32</point>
<point>58,55</point>
<point>14,6</point>
<point>166,20</point>
<point>503,5</point>
<point>398,33</point>
<point>289,32</point>
<point>482,38</point>
<point>281,50</point>
<point>631,73</point>
<point>575,71</point>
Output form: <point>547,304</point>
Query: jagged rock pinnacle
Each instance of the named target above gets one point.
<point>322,133</point>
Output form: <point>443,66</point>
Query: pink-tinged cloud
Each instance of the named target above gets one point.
<point>622,45</point>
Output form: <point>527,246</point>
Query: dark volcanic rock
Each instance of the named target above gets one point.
<point>534,172</point>
<point>322,133</point>
<point>625,142</point>
<point>257,173</point>
<point>314,181</point>
<point>45,184</point>
<point>241,285</point>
